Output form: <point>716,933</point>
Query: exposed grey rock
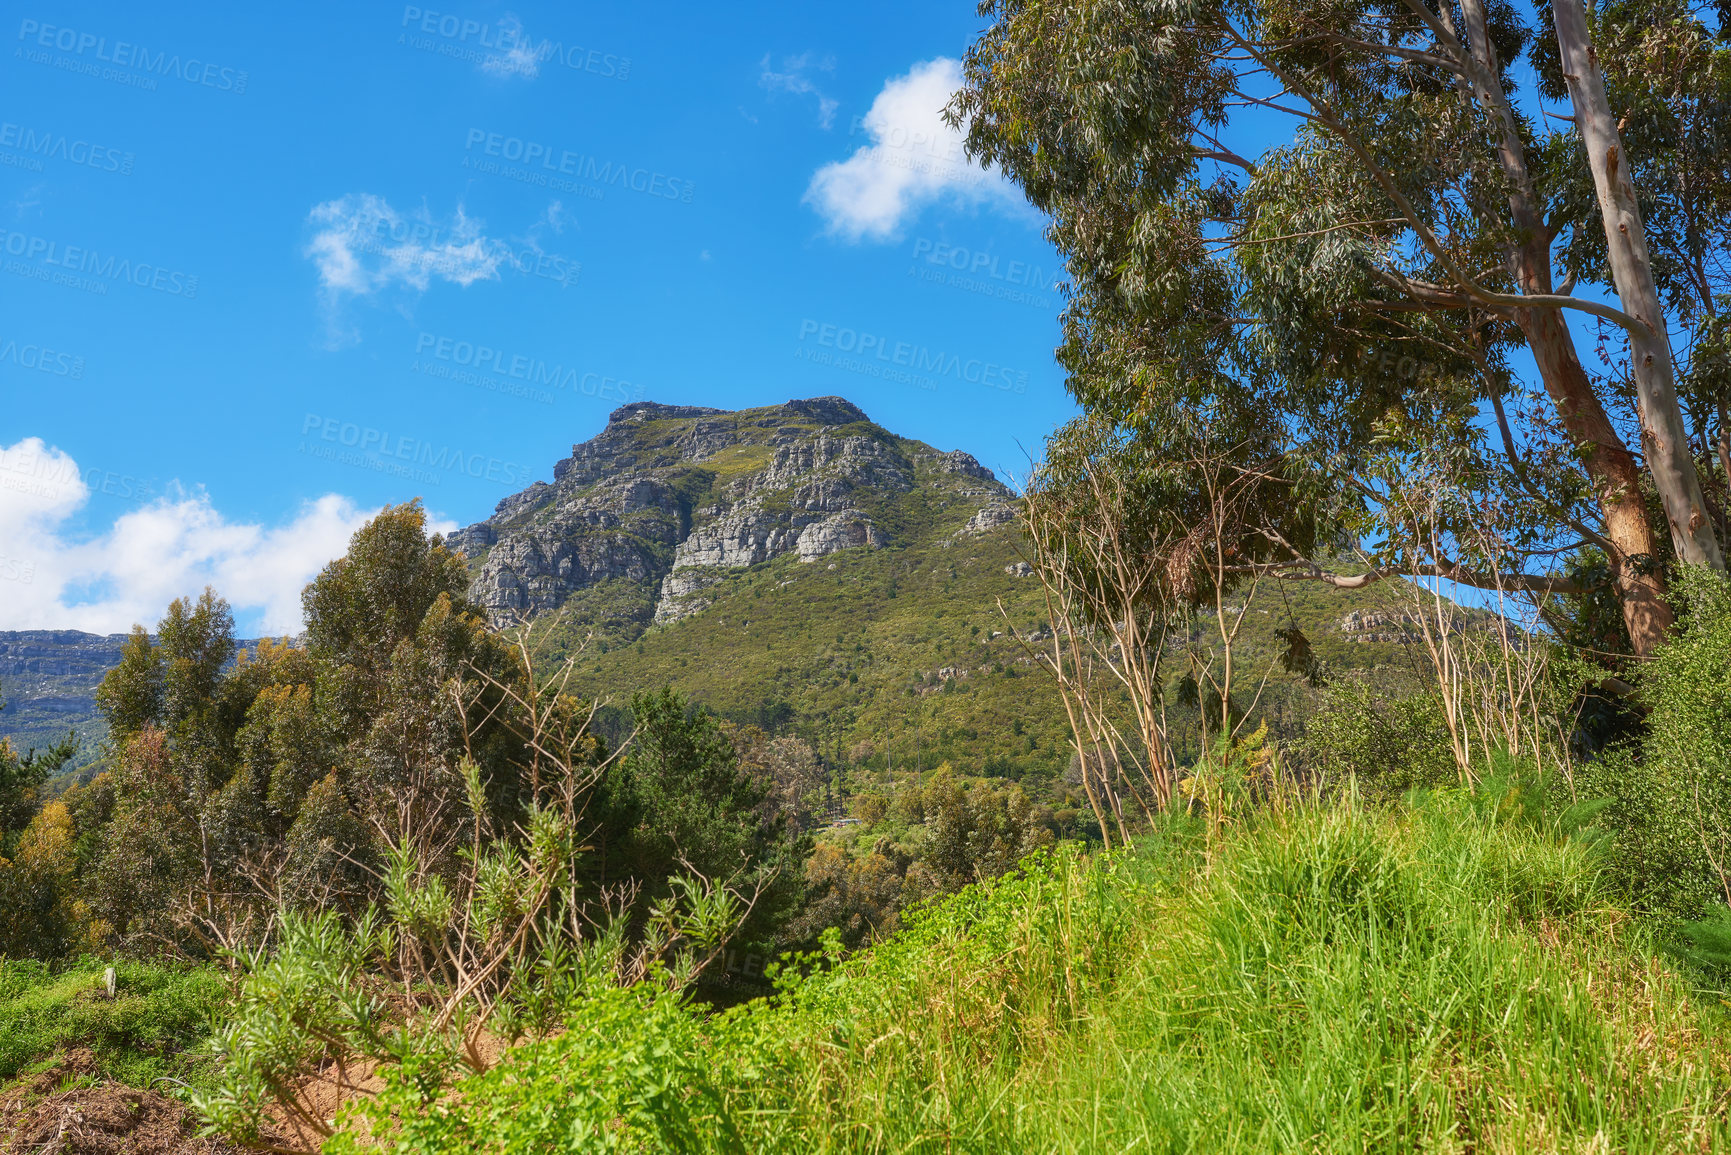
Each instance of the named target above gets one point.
<point>990,518</point>
<point>965,464</point>
<point>843,530</point>
<point>668,498</point>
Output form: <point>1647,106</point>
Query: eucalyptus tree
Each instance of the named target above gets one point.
<point>1361,217</point>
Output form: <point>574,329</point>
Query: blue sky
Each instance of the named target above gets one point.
<point>265,269</point>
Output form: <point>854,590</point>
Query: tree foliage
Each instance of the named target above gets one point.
<point>1349,225</point>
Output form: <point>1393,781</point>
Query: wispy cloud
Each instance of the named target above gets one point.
<point>794,77</point>
<point>914,159</point>
<point>362,246</point>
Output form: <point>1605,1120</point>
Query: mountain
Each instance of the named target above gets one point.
<point>793,564</point>
<point>49,680</point>
<point>643,521</point>
<point>800,566</point>
<point>796,566</point>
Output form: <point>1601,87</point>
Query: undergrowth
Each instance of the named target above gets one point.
<point>1436,976</point>
<point>154,1026</point>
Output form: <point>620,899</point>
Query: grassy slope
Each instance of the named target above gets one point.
<point>846,654</point>
<point>1329,979</point>
<point>153,1026</point>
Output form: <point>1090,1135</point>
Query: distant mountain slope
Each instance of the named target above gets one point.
<point>49,680</point>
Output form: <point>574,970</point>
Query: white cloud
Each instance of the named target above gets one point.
<point>555,217</point>
<point>915,159</point>
<point>24,202</point>
<point>792,78</point>
<point>172,547</point>
<point>363,245</point>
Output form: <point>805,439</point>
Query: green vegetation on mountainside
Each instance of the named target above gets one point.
<point>848,651</point>
<point>894,657</point>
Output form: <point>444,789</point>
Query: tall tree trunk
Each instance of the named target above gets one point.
<point>1664,437</point>
<point>1610,465</point>
<point>1615,475</point>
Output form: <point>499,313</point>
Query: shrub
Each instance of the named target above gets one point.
<point>1388,744</point>
<point>1673,791</point>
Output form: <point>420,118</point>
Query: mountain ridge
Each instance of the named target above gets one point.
<point>671,498</point>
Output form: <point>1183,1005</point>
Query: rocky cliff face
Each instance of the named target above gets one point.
<point>642,519</point>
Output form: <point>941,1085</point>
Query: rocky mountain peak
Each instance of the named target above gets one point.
<point>655,410</point>
<point>827,410</point>
<point>668,499</point>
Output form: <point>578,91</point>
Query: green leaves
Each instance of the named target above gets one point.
<point>1318,221</point>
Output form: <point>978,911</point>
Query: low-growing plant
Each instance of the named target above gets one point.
<point>419,989</point>
<point>1386,743</point>
<point>1448,973</point>
<point>153,1027</point>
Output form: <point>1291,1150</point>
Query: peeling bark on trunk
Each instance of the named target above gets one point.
<point>1664,437</point>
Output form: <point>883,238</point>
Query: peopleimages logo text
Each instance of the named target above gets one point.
<point>36,145</point>
<point>389,448</point>
<point>528,258</point>
<point>57,477</point>
<point>532,371</point>
<point>88,45</point>
<point>458,33</point>
<point>88,262</point>
<point>978,263</point>
<point>914,357</point>
<point>552,162</point>
<point>41,358</point>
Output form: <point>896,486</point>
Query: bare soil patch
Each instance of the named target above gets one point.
<point>69,1109</point>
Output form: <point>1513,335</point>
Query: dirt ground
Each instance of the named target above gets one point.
<point>100,1118</point>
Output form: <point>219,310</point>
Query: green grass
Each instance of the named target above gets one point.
<point>1331,978</point>
<point>154,1025</point>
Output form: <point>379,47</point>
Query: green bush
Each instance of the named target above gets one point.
<point>154,1026</point>
<point>1443,976</point>
<point>1386,744</point>
<point>1673,791</point>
